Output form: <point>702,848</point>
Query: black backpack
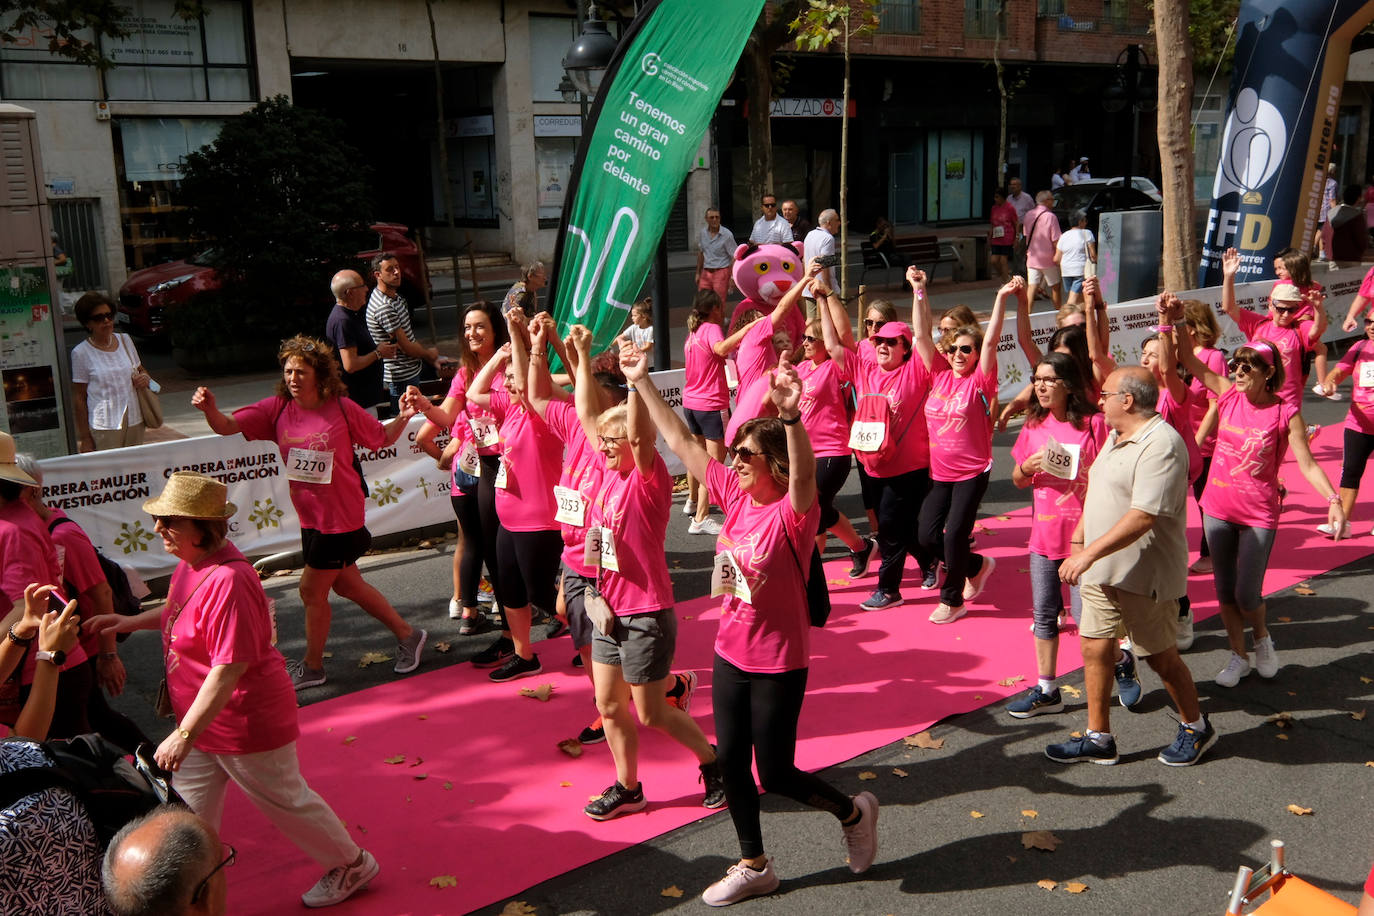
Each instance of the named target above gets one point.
<point>124,601</point>
<point>113,790</point>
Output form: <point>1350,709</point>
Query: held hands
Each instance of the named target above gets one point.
<point>203,400</point>
<point>632,361</point>
<point>1230,263</point>
<point>1016,286</point>
<point>1090,290</point>
<point>580,336</point>
<point>539,337</point>
<point>785,390</point>
<point>413,400</point>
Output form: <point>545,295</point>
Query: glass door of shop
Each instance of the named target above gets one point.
<point>904,194</point>
<point>954,179</point>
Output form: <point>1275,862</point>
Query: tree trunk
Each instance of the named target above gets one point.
<point>758,59</point>
<point>844,172</point>
<point>444,182</point>
<point>1002,100</point>
<point>1175,56</point>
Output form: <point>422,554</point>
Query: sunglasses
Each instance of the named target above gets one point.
<point>872,322</point>
<point>809,339</point>
<point>887,341</point>
<point>965,349</point>
<point>166,521</point>
<point>1048,381</point>
<point>203,886</point>
<point>1368,322</point>
<point>1244,365</point>
<point>745,454</point>
<point>1284,309</point>
<point>770,203</point>
<point>101,316</point>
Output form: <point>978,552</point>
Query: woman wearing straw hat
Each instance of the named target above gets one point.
<point>316,426</point>
<point>228,688</point>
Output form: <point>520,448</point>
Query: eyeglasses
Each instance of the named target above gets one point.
<point>101,316</point>
<point>1242,365</point>
<point>1049,381</point>
<point>887,341</point>
<point>770,203</point>
<point>809,339</point>
<point>1110,394</point>
<point>872,322</point>
<point>1283,309</point>
<point>745,454</point>
<point>610,440</point>
<point>965,349</point>
<point>203,886</point>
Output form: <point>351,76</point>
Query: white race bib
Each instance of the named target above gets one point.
<point>501,474</point>
<point>731,374</point>
<point>468,461</point>
<point>999,232</point>
<point>599,550</point>
<point>484,431</point>
<point>1367,374</point>
<point>727,578</point>
<point>306,465</point>
<point>1061,460</point>
<point>867,436</point>
<point>571,508</point>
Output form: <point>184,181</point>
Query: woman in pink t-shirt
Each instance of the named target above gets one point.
<point>1061,424</point>
<point>473,497</point>
<point>230,692</point>
<point>1002,224</point>
<point>528,542</point>
<point>316,425</point>
<point>958,418</point>
<point>630,599</point>
<point>1240,507</point>
<point>1293,339</point>
<point>1202,321</point>
<point>1293,266</point>
<point>705,397</point>
<point>762,647</point>
<point>879,313</point>
<point>1357,364</point>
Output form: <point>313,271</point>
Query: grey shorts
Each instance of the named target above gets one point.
<point>642,646</point>
<point>574,595</point>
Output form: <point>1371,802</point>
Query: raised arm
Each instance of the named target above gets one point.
<point>728,345</point>
<point>789,301</point>
<point>1217,384</point>
<point>920,317</point>
<point>538,381</point>
<point>668,423</point>
<point>987,358</point>
<point>834,344</point>
<point>785,390</point>
<point>1168,367</point>
<point>1230,263</point>
<point>639,427</point>
<point>204,401</point>
<point>1024,336</point>
<point>1098,331</point>
<point>518,328</point>
<point>584,388</point>
<point>479,389</point>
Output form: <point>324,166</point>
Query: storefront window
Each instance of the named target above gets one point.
<point>149,153</point>
<point>471,173</point>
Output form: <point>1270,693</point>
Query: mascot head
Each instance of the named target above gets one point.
<point>765,272</point>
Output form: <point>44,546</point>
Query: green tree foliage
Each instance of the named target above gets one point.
<point>283,200</point>
<point>62,23</point>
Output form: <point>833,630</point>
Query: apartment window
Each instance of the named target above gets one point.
<point>1049,8</point>
<point>1117,14</point>
<point>983,18</point>
<point>164,58</point>
<point>899,16</point>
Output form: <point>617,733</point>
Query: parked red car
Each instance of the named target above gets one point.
<point>148,294</point>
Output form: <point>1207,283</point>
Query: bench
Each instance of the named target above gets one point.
<point>925,251</point>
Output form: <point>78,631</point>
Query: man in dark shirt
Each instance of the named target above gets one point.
<point>346,329</point>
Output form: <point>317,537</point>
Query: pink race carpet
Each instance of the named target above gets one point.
<point>458,787</point>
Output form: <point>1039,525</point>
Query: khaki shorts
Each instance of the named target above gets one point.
<point>1109,613</point>
<point>1051,275</point>
<point>642,645</point>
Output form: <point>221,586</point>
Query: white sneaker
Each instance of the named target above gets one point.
<point>976,583</point>
<point>1126,644</point>
<point>1235,669</point>
<point>1266,659</point>
<point>705,526</point>
<point>1326,529</point>
<point>338,884</point>
<point>689,508</point>
<point>455,610</point>
<point>1184,637</point>
<point>1319,390</point>
<point>740,883</point>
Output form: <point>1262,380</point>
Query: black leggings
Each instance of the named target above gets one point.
<point>756,716</point>
<point>898,504</point>
<point>529,568</point>
<point>1358,447</point>
<point>1198,486</point>
<point>831,473</point>
<point>486,507</point>
<point>475,549</point>
<point>947,518</point>
<point>113,726</point>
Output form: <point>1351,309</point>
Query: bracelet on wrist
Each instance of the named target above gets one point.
<point>109,655</point>
<point>20,640</point>
<point>1333,499</point>
<point>790,422</point>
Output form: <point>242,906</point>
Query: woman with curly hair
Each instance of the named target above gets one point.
<point>316,425</point>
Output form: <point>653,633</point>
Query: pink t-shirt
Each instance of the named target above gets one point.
<point>1203,397</point>
<point>533,458</point>
<point>1243,482</point>
<point>905,389</point>
<point>1002,228</point>
<point>749,405</point>
<point>822,407</point>
<point>1367,286</point>
<point>635,507</point>
<point>1057,503</point>
<point>1180,417</point>
<point>704,386</point>
<point>959,423</point>
<point>470,413</point>
<point>1041,228</point>
<point>80,568</point>
<point>772,545</point>
<point>216,614</point>
<point>27,555</point>
<point>1358,360</point>
<point>333,427</point>
<point>581,472</point>
<point>755,355</point>
<point>1292,342</point>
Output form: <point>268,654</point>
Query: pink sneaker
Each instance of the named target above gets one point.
<point>740,883</point>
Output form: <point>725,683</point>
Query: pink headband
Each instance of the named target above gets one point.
<point>1268,345</point>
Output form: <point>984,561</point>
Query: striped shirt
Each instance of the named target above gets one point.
<point>384,315</point>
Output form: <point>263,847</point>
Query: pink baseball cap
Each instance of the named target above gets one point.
<point>895,329</point>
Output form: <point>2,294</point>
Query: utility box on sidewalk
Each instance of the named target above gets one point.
<point>969,267</point>
<point>1129,245</point>
<point>33,359</point>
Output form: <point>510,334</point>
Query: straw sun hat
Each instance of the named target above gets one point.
<point>9,470</point>
<point>192,495</point>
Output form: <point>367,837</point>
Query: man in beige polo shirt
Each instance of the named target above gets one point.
<point>1130,564</point>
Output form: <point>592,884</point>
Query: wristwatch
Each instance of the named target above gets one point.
<point>58,658</point>
<point>185,735</point>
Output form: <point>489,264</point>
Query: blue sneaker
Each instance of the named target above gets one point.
<point>1127,683</point>
<point>1189,746</point>
<point>1035,702</point>
<point>880,600</point>
<point>1079,750</point>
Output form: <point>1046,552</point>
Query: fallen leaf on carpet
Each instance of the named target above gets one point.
<point>1281,719</point>
<point>1286,619</point>
<point>362,829</point>
<point>1040,839</point>
<point>671,890</point>
<point>1047,884</point>
<point>686,616</point>
<point>977,696</point>
<point>1023,569</point>
<point>1029,812</point>
<point>923,740</point>
<point>540,693</point>
<point>1011,681</point>
<point>407,799</point>
<point>1304,590</point>
<point>1075,887</point>
<point>422,717</point>
<point>1299,810</point>
<point>565,784</point>
<point>900,773</point>
<point>418,761</point>
<point>448,787</point>
<point>442,647</point>
<point>988,531</point>
<point>350,739</point>
<point>571,746</point>
<point>837,581</point>
<point>1358,716</point>
<point>518,908</point>
<point>1071,690</point>
<point>867,775</point>
<point>1004,518</point>
<point>373,658</point>
<point>976,814</point>
<point>417,777</point>
<point>329,729</point>
<point>399,758</point>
